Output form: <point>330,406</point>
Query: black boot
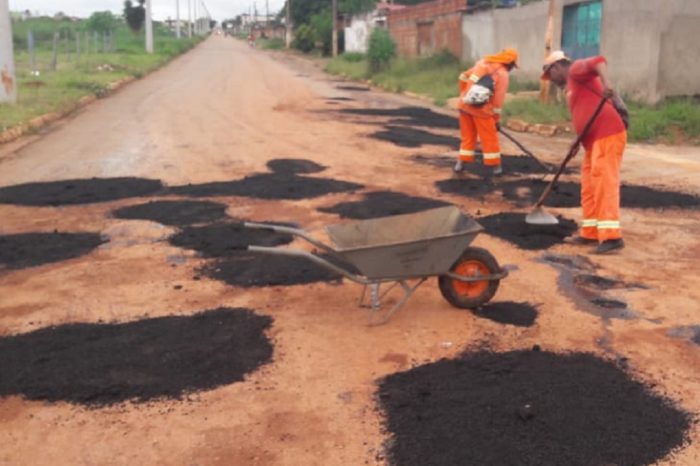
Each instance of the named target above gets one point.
<point>609,246</point>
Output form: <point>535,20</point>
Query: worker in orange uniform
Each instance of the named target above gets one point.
<point>586,83</point>
<point>482,90</point>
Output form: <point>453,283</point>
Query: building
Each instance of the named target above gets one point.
<point>359,27</point>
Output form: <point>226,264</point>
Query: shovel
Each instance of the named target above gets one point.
<point>524,149</point>
<point>539,216</point>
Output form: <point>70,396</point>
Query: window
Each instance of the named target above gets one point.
<point>580,36</point>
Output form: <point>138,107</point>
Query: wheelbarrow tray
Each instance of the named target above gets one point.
<point>406,246</point>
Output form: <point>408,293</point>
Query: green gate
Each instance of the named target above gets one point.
<point>580,36</point>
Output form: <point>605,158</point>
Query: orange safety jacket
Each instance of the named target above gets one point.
<point>493,108</point>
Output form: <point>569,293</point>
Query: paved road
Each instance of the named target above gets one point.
<point>220,113</point>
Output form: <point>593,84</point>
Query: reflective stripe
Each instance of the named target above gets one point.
<point>469,153</point>
<point>497,110</point>
<point>474,78</point>
<point>608,225</point>
<point>492,155</point>
<point>590,223</point>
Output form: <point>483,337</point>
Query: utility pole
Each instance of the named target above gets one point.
<point>178,32</point>
<point>267,13</point>
<point>334,19</point>
<point>189,19</point>
<point>288,25</point>
<point>149,28</point>
<point>548,39</point>
<point>8,83</point>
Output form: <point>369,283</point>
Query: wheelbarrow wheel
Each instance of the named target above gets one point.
<point>470,295</point>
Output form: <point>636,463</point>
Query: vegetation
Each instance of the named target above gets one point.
<point>271,44</point>
<point>380,51</point>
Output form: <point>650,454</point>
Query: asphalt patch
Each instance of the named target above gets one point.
<point>340,99</point>
<point>511,227</point>
<point>251,269</point>
<point>383,204</point>
<point>509,313</point>
<point>164,357</point>
<point>225,239</point>
<point>527,408</point>
<point>473,188</point>
<point>353,88</point>
<point>32,249</point>
<point>413,116</point>
<point>296,166</point>
<point>512,164</point>
<point>568,194</point>
<point>609,303</point>
<point>176,213</point>
<point>71,192</point>
<point>403,136</point>
<point>599,283</point>
<point>269,186</point>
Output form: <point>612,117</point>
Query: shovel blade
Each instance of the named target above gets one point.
<point>539,216</point>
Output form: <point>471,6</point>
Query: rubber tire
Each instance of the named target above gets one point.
<point>464,302</point>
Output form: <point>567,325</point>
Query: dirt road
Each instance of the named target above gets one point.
<point>220,113</point>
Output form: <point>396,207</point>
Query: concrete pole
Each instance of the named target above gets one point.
<point>334,20</point>
<point>196,18</point>
<point>178,32</point>
<point>8,83</point>
<point>548,39</point>
<point>288,25</point>
<point>149,28</point>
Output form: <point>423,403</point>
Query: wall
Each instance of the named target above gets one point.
<point>440,24</point>
<point>358,32</point>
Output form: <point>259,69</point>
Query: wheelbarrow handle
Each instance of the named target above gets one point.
<point>290,231</point>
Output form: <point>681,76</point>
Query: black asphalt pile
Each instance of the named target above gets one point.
<point>609,303</point>
<point>297,166</point>
<point>508,312</point>
<point>31,249</point>
<point>225,239</point>
<point>413,116</point>
<point>511,227</point>
<point>383,204</point>
<point>473,188</point>
<point>340,99</point>
<point>568,194</point>
<point>248,269</point>
<point>352,88</point>
<point>175,213</point>
<point>512,164</point>
<point>70,192</point>
<point>411,137</point>
<point>269,186</point>
<point>527,408</point>
<point>597,282</point>
<point>165,357</point>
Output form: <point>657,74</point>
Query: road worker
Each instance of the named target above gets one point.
<point>482,93</point>
<point>586,82</point>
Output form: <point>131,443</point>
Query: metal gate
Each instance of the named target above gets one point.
<point>580,36</point>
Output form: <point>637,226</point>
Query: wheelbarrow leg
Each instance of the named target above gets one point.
<point>408,292</point>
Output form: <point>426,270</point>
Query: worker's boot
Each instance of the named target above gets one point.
<point>581,241</point>
<point>459,166</point>
<point>609,246</point>
<point>497,170</point>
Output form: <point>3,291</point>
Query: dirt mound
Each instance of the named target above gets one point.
<point>512,164</point>
<point>511,227</point>
<point>225,239</point>
<point>410,137</point>
<point>32,249</point>
<point>101,364</point>
<point>383,204</point>
<point>508,312</point>
<point>526,408</point>
<point>69,192</point>
<point>174,212</point>
<point>247,269</point>
<point>269,186</point>
<point>568,194</point>
<point>467,187</point>
<point>294,166</point>
<point>413,116</point>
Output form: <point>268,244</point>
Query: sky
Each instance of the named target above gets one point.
<point>162,9</point>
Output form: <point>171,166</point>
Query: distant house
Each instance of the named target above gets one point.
<point>359,27</point>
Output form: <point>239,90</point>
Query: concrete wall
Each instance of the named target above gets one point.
<point>651,45</point>
<point>428,27</point>
<point>358,32</point>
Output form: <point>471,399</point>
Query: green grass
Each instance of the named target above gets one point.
<point>674,120</point>
<point>271,44</point>
<point>57,91</point>
<point>532,111</point>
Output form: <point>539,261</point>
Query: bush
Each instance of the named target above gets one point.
<point>381,50</point>
<point>353,57</point>
<point>273,44</point>
<point>304,38</point>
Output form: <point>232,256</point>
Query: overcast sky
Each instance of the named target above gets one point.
<point>162,9</point>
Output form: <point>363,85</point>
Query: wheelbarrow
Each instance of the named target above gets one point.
<point>399,249</point>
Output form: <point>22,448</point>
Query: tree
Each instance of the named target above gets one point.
<point>102,21</point>
<point>135,16</point>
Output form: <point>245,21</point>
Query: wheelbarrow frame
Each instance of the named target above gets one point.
<point>374,282</point>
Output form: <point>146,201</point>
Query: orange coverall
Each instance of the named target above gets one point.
<point>481,121</point>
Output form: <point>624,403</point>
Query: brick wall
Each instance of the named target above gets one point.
<point>428,27</point>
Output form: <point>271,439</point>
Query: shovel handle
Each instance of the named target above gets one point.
<point>571,154</point>
<point>523,148</point>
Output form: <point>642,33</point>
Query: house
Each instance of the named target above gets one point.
<point>359,27</point>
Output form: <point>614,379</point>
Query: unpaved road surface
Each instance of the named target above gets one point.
<point>220,113</point>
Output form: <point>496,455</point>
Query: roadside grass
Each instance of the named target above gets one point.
<point>271,44</point>
<point>59,90</point>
